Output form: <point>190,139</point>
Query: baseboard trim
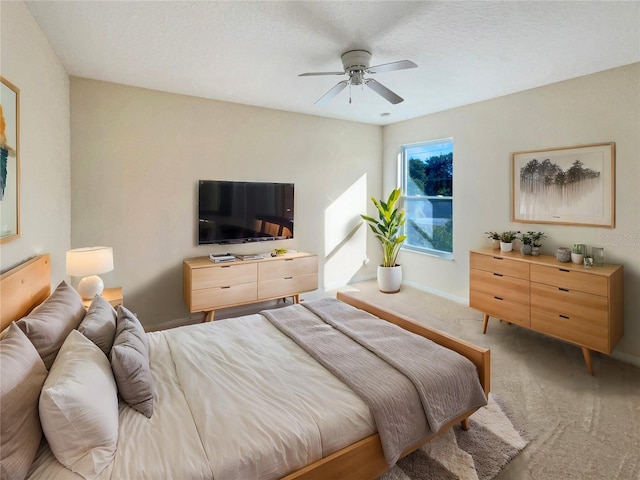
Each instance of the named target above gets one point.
<point>626,358</point>
<point>440,293</point>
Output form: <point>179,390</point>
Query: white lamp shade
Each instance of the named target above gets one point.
<point>89,261</point>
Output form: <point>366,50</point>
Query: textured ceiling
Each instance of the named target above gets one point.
<point>252,52</point>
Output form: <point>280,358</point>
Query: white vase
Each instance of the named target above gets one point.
<point>389,278</point>
<point>506,247</point>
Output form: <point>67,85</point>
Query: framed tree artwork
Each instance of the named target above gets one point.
<point>9,161</point>
<point>567,185</point>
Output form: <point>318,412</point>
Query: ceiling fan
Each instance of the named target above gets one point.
<point>356,64</point>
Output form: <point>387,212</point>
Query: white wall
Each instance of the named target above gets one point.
<point>604,107</point>
<point>136,158</point>
<point>28,62</point>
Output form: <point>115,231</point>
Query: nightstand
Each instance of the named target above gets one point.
<point>111,295</point>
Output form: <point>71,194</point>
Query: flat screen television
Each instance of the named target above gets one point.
<point>241,212</point>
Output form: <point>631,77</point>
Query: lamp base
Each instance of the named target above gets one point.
<point>90,286</point>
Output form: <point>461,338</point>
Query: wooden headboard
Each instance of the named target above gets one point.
<point>24,287</point>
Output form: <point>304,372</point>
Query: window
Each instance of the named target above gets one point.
<point>427,192</point>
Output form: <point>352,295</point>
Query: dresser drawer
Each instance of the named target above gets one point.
<point>223,275</point>
<point>287,267</point>
<point>208,299</point>
<point>570,303</point>
<point>513,289</point>
<point>284,287</point>
<point>590,334</point>
<point>570,279</point>
<point>500,307</point>
<point>499,265</point>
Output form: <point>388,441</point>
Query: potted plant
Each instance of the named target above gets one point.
<point>495,239</point>
<point>527,243</point>
<point>506,240</point>
<point>536,243</point>
<point>387,228</point>
<point>577,254</point>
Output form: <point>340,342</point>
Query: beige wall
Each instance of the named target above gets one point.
<point>28,62</point>
<point>136,158</point>
<point>604,107</point>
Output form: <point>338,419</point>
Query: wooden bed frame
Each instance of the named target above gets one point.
<point>25,286</point>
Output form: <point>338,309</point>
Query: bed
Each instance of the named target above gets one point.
<point>240,398</point>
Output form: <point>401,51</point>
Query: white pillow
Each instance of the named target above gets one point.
<point>79,407</point>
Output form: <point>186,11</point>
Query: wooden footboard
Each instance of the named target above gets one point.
<point>365,459</point>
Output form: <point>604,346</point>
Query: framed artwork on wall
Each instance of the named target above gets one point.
<point>9,161</point>
<point>566,185</point>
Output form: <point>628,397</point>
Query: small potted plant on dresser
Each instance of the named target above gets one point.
<point>506,240</point>
<point>387,229</point>
<point>495,239</point>
<point>527,243</point>
<point>536,242</point>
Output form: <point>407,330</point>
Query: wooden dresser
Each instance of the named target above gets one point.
<point>209,286</point>
<point>564,300</point>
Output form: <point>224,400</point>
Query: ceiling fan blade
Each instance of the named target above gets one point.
<point>333,92</point>
<point>315,74</point>
<point>383,91</point>
<point>389,67</point>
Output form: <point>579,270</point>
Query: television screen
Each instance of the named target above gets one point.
<point>239,212</point>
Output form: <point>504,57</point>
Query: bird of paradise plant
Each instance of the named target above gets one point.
<point>388,226</point>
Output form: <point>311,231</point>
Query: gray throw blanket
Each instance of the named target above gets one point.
<point>412,385</point>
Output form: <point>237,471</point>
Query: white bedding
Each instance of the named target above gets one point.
<point>235,399</point>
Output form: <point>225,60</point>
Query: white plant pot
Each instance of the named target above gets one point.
<point>389,278</point>
<point>577,257</point>
<point>506,247</point>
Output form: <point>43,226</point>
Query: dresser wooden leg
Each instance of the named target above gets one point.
<point>587,360</point>
<point>208,316</point>
<point>485,322</point>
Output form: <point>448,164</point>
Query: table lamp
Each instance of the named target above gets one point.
<point>88,262</point>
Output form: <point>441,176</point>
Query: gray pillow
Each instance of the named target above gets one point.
<point>99,324</point>
<point>130,363</point>
<point>22,374</point>
<point>48,326</point>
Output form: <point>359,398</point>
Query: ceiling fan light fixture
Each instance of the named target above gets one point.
<point>356,64</point>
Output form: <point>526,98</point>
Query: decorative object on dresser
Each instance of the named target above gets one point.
<point>88,262</point>
<point>568,302</point>
<point>387,229</point>
<point>536,242</point>
<point>563,254</point>
<point>527,243</point>
<point>208,286</point>
<point>577,252</point>
<point>567,185</point>
<point>506,240</point>
<point>495,239</point>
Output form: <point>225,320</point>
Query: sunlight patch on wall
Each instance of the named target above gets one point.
<point>345,240</point>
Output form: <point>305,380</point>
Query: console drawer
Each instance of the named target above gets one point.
<point>287,286</point>
<point>208,299</point>
<point>223,275</point>
<point>287,267</point>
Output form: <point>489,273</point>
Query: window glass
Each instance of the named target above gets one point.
<point>427,188</point>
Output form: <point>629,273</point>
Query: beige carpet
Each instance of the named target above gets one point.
<point>479,453</point>
<point>579,426</point>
